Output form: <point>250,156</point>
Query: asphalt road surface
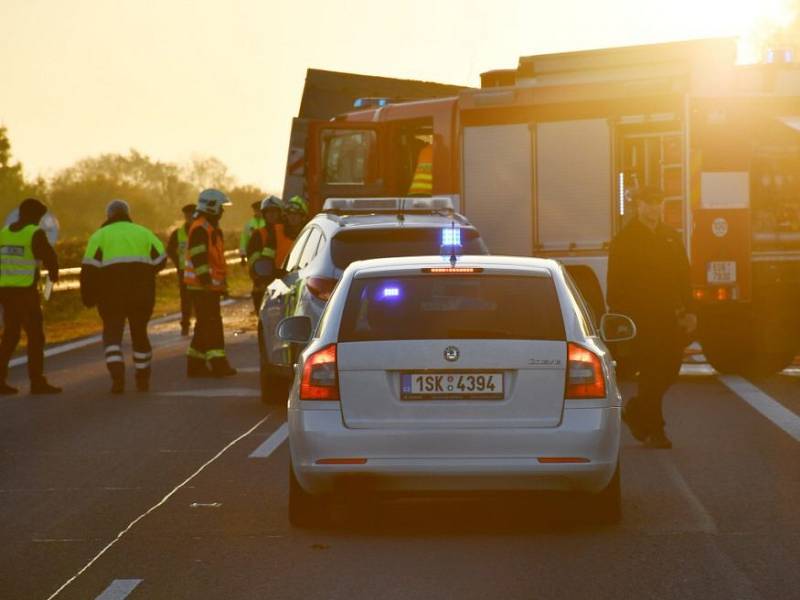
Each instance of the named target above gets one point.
<point>182,493</point>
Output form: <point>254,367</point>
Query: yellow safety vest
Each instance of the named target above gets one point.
<point>17,264</point>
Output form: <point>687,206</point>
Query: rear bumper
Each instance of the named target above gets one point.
<point>419,460</point>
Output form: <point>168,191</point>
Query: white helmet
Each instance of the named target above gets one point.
<point>271,202</point>
<point>211,201</point>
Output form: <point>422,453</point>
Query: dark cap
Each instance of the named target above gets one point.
<point>256,204</point>
<point>188,208</point>
<point>31,210</point>
<point>649,194</point>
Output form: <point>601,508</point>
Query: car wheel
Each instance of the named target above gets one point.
<point>606,505</point>
<point>274,389</point>
<point>306,510</point>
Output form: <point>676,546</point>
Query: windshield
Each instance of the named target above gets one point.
<point>452,307</point>
<point>351,245</point>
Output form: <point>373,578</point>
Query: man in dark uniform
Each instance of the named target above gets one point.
<point>648,280</point>
<point>176,250</point>
<point>22,245</point>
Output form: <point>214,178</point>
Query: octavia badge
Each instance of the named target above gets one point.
<point>451,353</point>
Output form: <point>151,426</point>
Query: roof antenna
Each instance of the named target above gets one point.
<point>453,257</point>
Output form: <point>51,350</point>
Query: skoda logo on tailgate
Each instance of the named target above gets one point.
<point>451,353</point>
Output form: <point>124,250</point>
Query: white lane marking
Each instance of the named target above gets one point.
<point>96,339</point>
<point>214,392</point>
<point>119,589</point>
<point>160,503</point>
<point>767,406</point>
<point>248,369</point>
<point>272,442</point>
<point>697,370</point>
<point>703,519</point>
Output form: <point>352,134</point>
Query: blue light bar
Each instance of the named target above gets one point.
<point>451,236</point>
<point>391,292</point>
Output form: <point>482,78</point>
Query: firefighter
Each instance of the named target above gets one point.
<point>118,276</point>
<point>253,224</point>
<point>422,182</point>
<point>648,280</point>
<point>176,250</point>
<point>205,278</point>
<point>261,250</point>
<point>296,217</point>
<point>22,244</point>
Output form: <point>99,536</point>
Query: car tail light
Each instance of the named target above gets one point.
<point>321,287</point>
<point>320,376</point>
<point>585,378</point>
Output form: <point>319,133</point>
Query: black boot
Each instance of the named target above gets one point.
<point>7,390</point>
<point>196,367</point>
<point>40,386</point>
<point>220,367</point>
<point>143,380</point>
<point>117,370</point>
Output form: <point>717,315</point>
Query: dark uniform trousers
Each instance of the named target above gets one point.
<point>137,314</point>
<point>21,310</point>
<point>209,337</point>
<point>658,352</point>
<point>186,302</point>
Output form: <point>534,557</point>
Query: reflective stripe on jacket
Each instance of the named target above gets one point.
<point>183,244</point>
<point>252,225</point>
<point>212,249</point>
<point>18,265</point>
<point>422,183</point>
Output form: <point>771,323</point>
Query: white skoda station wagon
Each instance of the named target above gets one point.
<point>426,376</point>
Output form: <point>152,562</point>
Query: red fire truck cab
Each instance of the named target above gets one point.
<point>543,160</point>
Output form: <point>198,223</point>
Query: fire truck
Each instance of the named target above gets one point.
<point>544,158</point>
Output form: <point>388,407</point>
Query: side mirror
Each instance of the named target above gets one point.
<point>295,329</point>
<point>617,328</point>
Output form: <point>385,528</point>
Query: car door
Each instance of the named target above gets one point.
<point>277,297</point>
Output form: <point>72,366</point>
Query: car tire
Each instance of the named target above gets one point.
<point>606,505</point>
<point>306,510</point>
<point>274,389</point>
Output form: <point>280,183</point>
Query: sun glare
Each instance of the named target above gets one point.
<point>765,22</point>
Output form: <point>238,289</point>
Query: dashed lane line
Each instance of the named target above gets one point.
<point>763,403</point>
<point>119,589</point>
<point>160,503</point>
<point>95,339</point>
<point>272,443</point>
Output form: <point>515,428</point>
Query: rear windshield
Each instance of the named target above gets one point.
<point>354,244</point>
<point>443,307</point>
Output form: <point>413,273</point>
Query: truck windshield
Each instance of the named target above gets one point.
<point>346,155</point>
<point>452,307</point>
<point>351,245</point>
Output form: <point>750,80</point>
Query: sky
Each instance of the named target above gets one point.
<point>181,78</point>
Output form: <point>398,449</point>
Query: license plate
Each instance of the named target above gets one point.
<point>473,385</point>
<point>721,272</point>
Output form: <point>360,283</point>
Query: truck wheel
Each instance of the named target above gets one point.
<point>306,510</point>
<point>737,342</point>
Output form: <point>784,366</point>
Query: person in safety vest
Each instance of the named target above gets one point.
<point>22,245</point>
<point>422,182</point>
<point>253,224</point>
<point>176,250</point>
<point>205,277</point>
<point>118,275</point>
<point>262,248</point>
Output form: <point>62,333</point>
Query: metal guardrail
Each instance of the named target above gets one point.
<point>69,278</point>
